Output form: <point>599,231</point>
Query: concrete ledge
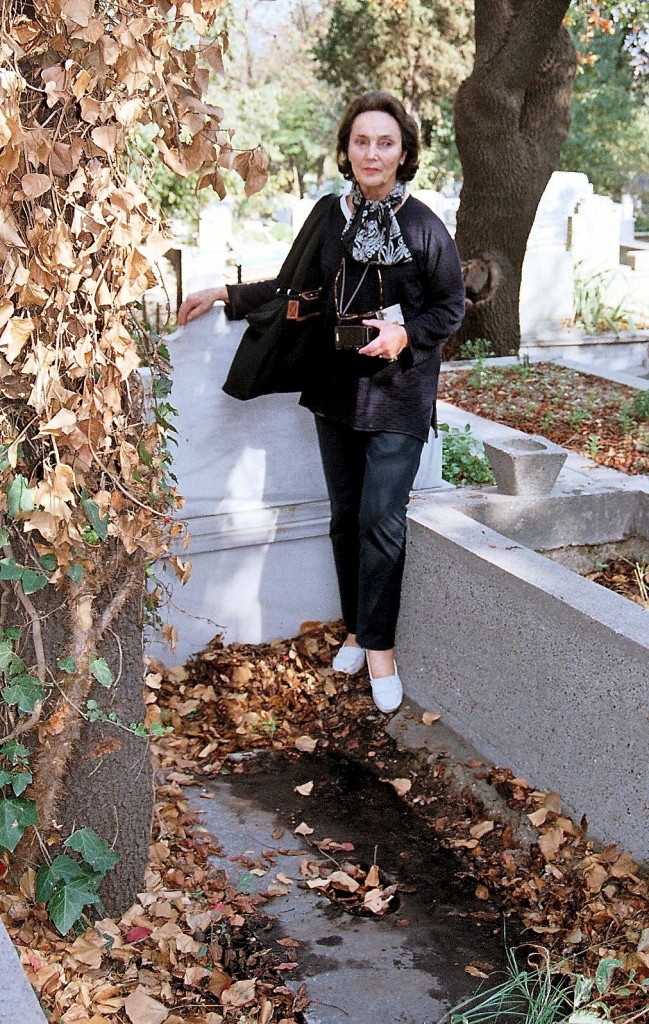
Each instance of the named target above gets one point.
<point>18,1003</point>
<point>541,669</point>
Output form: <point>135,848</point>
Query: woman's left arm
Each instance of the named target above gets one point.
<point>445,300</point>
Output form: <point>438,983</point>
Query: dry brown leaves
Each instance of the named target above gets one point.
<point>184,953</point>
<point>566,406</point>
<point>570,895</point>
<point>76,237</point>
<point>188,944</point>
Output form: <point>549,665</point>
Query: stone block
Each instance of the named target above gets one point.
<point>525,465</point>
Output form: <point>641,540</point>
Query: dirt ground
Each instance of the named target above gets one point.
<point>609,422</point>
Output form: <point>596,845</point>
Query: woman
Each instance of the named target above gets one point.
<point>387,263</point>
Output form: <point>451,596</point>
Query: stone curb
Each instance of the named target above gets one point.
<point>18,1003</point>
<point>409,733</point>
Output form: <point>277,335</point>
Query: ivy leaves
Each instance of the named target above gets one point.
<point>69,885</point>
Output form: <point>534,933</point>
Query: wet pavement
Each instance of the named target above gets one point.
<point>406,967</point>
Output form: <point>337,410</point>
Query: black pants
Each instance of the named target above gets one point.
<point>369,477</point>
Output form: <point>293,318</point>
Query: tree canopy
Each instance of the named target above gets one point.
<point>420,51</point>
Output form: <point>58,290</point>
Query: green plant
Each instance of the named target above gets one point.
<point>463,459</point>
<point>550,993</point>
<point>70,884</point>
<point>591,307</point>
<point>640,406</point>
<point>578,416</point>
<point>594,446</point>
<point>476,348</point>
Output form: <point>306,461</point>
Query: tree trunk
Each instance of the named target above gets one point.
<point>511,117</point>
<point>92,774</point>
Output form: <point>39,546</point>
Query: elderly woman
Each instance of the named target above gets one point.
<point>387,263</point>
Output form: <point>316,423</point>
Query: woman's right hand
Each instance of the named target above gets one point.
<point>200,302</point>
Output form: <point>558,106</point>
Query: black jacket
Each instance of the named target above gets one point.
<point>365,392</point>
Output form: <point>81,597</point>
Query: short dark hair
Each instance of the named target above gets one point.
<point>375,99</point>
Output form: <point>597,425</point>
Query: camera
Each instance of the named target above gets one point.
<point>354,336</point>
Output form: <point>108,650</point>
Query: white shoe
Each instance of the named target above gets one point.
<point>349,660</point>
<point>387,691</point>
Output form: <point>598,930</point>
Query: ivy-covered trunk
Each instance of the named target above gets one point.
<point>511,117</point>
<point>86,499</point>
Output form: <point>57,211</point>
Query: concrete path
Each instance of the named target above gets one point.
<point>407,967</point>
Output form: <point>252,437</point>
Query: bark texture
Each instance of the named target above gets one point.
<point>511,117</point>
<point>93,774</point>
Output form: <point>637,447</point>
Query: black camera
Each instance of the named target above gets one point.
<point>354,336</point>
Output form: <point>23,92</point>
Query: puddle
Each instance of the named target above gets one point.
<point>406,967</point>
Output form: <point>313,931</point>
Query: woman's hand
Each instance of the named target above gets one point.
<point>392,340</point>
<point>200,302</point>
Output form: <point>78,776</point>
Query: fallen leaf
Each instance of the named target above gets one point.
<point>481,829</point>
<point>143,1009</point>
<point>429,717</point>
<point>239,994</point>
<point>305,789</point>
<point>402,786</point>
<point>137,934</point>
<point>306,744</point>
<point>303,830</point>
<point>550,842</point>
<point>341,880</point>
<point>372,879</point>
<point>537,818</point>
<point>475,972</point>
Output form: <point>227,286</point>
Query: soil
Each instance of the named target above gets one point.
<point>630,579</point>
<point>606,421</point>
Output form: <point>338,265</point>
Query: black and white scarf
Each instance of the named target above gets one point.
<point>373,234</point>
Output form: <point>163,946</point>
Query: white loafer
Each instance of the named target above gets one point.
<point>387,691</point>
<point>349,660</point>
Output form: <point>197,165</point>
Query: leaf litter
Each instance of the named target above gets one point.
<point>188,951</point>
<point>585,413</point>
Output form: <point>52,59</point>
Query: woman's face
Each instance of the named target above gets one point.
<point>375,152</point>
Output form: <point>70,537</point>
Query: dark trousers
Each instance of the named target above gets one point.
<point>369,477</point>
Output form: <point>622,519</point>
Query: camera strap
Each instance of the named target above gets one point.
<point>339,289</point>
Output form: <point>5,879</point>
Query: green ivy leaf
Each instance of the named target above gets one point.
<point>604,972</point>
<point>162,386</point>
<point>9,570</point>
<point>68,902</point>
<point>20,781</point>
<point>99,525</point>
<point>101,670</point>
<point>10,663</point>
<point>145,455</point>
<point>20,497</point>
<point>15,816</point>
<point>5,778</point>
<point>62,869</point>
<point>48,562</point>
<point>15,753</point>
<point>68,664</point>
<point>4,536</point>
<point>33,581</point>
<point>75,572</point>
<point>94,850</point>
<point>24,691</point>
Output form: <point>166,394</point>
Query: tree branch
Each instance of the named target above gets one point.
<point>531,33</point>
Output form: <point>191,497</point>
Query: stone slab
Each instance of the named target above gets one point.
<point>18,1002</point>
<point>542,670</point>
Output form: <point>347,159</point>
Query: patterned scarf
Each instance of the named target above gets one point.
<point>373,234</point>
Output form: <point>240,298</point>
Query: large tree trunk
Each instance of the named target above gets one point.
<point>511,117</point>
